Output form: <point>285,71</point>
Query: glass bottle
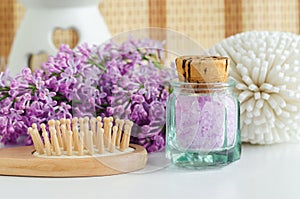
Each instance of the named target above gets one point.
<point>203,124</point>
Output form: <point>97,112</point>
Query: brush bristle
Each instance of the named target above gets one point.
<point>94,137</point>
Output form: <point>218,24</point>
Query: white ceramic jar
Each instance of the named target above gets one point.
<point>43,17</point>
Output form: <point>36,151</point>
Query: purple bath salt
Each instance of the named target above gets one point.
<point>202,123</point>
<point>205,122</point>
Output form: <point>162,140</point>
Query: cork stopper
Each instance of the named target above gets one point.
<point>202,69</point>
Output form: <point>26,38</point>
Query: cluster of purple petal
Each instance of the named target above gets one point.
<point>26,99</point>
<point>124,80</point>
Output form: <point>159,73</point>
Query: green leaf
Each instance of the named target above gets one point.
<point>158,65</point>
<point>5,88</point>
<point>4,96</point>
<point>99,65</point>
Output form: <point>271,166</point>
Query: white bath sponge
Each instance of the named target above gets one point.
<point>266,68</point>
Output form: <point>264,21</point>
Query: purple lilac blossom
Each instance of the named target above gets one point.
<point>124,80</point>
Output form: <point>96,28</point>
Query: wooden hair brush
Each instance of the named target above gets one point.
<point>98,147</point>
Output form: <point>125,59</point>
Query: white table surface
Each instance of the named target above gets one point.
<point>263,172</point>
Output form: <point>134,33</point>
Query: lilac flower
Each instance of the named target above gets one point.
<point>125,80</point>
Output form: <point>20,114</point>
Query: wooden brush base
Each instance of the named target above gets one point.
<point>20,161</point>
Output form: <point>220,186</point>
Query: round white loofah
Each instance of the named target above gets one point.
<point>266,68</point>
